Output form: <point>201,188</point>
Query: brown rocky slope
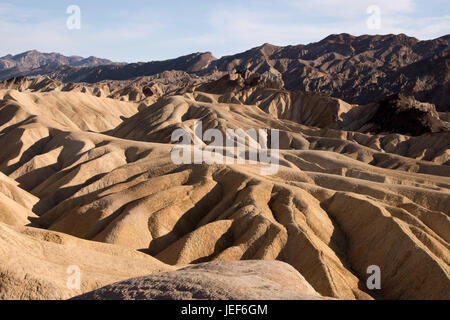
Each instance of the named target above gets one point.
<point>359,70</point>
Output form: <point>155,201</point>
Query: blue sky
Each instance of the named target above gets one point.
<point>138,30</point>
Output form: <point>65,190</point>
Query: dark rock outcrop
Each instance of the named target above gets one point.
<point>405,115</point>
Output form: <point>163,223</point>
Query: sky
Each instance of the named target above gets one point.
<point>146,30</point>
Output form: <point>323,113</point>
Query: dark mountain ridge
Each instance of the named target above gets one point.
<point>34,62</point>
<point>359,70</point>
<point>191,63</point>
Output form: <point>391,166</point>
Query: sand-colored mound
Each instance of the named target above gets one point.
<point>241,280</point>
<point>16,204</point>
<point>10,188</point>
<point>311,109</point>
<point>67,111</point>
<point>13,213</point>
<point>34,122</point>
<point>395,114</point>
<point>157,123</point>
<point>145,90</point>
<point>34,264</point>
<point>367,245</point>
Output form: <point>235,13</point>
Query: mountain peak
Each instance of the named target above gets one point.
<point>341,37</point>
<point>268,45</point>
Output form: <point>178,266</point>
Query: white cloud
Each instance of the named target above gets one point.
<point>228,29</point>
<point>257,28</point>
<point>346,8</point>
<point>421,28</point>
<point>313,20</point>
<point>23,29</point>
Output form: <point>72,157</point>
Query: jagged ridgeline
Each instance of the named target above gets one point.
<point>358,70</point>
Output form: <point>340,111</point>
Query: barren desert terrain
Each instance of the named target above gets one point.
<point>87,179</point>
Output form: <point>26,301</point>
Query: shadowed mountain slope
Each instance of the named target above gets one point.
<point>34,62</point>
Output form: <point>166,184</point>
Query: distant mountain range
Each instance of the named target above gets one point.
<point>36,63</point>
<point>356,69</point>
<point>192,63</point>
